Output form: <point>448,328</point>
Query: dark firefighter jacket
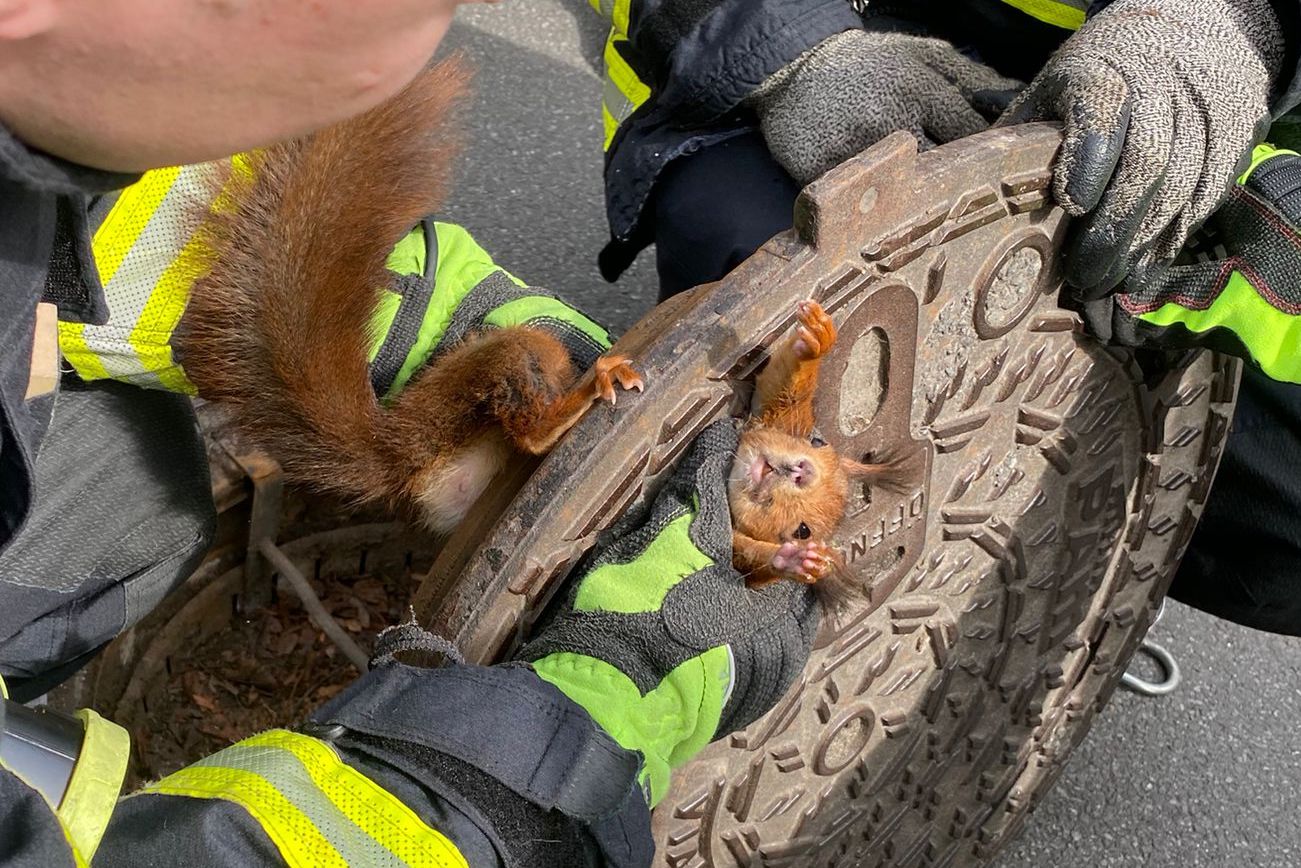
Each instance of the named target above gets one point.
<point>677,72</point>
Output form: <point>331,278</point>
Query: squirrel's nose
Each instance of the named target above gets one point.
<point>801,473</point>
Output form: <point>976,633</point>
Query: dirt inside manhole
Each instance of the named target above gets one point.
<point>267,670</point>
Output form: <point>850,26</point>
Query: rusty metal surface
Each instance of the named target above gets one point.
<point>229,487</point>
<point>265,510</point>
<point>1006,591</point>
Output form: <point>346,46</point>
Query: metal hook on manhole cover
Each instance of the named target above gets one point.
<point>1165,660</point>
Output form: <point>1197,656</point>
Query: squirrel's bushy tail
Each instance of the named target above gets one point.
<point>278,327</point>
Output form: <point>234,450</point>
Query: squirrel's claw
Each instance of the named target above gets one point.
<point>612,370</point>
<point>816,333</point>
<point>805,561</point>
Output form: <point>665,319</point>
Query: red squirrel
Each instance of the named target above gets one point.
<point>789,489</point>
<point>277,327</point>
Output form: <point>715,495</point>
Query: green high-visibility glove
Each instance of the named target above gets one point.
<point>1160,100</point>
<point>446,286</point>
<point>1239,291</point>
<point>659,638</point>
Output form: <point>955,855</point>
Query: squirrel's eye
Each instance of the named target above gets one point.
<point>803,532</point>
<point>817,441</point>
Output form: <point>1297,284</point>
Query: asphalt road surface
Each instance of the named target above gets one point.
<point>1208,777</point>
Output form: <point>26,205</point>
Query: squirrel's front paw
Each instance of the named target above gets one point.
<point>804,560</point>
<point>816,333</point>
<point>611,370</point>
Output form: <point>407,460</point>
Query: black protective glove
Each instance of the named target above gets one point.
<point>854,89</point>
<point>1161,99</point>
<point>660,640</point>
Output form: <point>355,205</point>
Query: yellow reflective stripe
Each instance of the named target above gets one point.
<point>1259,154</point>
<point>129,216</point>
<point>293,781</point>
<point>620,14</point>
<point>1067,15</point>
<point>295,836</point>
<point>623,91</point>
<point>84,360</point>
<point>149,291</point>
<point>621,75</point>
<point>1271,336</point>
<point>126,220</point>
<point>148,259</point>
<point>615,103</point>
<point>315,808</point>
<point>384,817</point>
<point>95,784</point>
<point>616,12</point>
<point>152,335</point>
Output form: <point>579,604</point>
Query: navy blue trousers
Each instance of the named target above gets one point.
<point>715,207</point>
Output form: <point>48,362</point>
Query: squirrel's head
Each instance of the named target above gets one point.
<point>783,487</point>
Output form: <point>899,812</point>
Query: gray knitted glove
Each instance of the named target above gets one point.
<point>1162,101</point>
<point>854,89</point>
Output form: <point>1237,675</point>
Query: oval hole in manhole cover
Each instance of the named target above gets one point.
<point>863,388</point>
<point>843,741</point>
<point>1013,287</point>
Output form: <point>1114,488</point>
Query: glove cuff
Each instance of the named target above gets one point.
<point>773,86</point>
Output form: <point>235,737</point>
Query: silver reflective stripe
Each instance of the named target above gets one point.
<point>618,105</point>
<point>607,10</point>
<point>136,279</point>
<point>287,774</point>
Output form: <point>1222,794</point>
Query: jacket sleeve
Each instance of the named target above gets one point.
<point>442,767</point>
<point>704,58</point>
<point>1287,90</point>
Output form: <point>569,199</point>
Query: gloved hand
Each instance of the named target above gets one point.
<point>660,640</point>
<point>1160,100</point>
<point>1243,295</point>
<point>446,286</point>
<point>855,88</point>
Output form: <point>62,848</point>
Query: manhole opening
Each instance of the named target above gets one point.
<point>865,382</point>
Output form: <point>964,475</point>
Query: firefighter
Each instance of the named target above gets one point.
<point>717,113</point>
<point>553,759</point>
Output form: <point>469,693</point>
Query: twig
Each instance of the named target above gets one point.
<point>315,609</point>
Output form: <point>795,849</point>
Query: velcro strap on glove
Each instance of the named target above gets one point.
<point>503,720</point>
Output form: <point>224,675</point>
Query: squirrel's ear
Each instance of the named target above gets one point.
<point>895,474</point>
<point>858,470</point>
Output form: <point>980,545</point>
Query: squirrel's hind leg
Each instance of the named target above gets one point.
<point>536,424</point>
